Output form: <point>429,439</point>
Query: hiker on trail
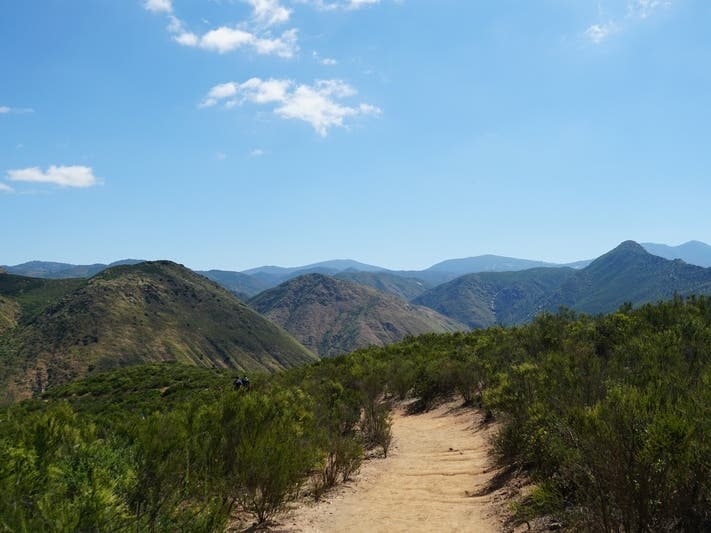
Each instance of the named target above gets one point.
<point>245,382</point>
<point>238,383</point>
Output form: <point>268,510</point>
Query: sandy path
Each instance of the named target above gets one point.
<point>436,457</point>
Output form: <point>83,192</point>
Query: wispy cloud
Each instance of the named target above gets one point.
<point>159,6</point>
<point>599,32</point>
<point>64,176</point>
<point>319,104</point>
<point>6,110</point>
<point>328,61</point>
<point>269,12</point>
<point>329,5</point>
<point>644,8</point>
<point>257,152</point>
<point>636,11</point>
<point>252,34</point>
<point>4,188</point>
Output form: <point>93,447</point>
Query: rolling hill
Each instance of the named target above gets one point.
<point>150,312</point>
<point>626,274</point>
<point>490,298</point>
<point>52,270</point>
<point>332,316</point>
<point>403,287</point>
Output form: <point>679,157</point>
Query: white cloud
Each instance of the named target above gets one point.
<point>225,39</point>
<point>636,12</point>
<point>257,152</point>
<point>285,46</point>
<point>324,60</point>
<point>159,6</point>
<point>187,39</point>
<point>6,188</point>
<point>5,110</point>
<point>357,4</point>
<point>254,90</point>
<point>325,5</point>
<point>316,104</point>
<point>599,32</point>
<point>64,176</point>
<point>269,12</point>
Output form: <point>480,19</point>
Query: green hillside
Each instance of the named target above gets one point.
<point>626,274</point>
<point>331,316</point>
<point>490,298</point>
<point>629,274</point>
<point>157,311</point>
<point>404,288</point>
<point>33,295</point>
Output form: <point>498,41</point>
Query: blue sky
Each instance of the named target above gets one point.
<point>236,133</point>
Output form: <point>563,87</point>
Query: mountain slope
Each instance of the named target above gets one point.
<point>626,274</point>
<point>242,285</point>
<point>156,311</point>
<point>692,252</point>
<point>489,298</point>
<point>629,274</point>
<point>31,296</point>
<point>331,316</point>
<point>387,282</point>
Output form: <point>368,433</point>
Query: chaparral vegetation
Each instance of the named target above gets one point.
<point>610,416</point>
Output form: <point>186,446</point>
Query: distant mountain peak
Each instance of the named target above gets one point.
<point>628,247</point>
<point>693,252</point>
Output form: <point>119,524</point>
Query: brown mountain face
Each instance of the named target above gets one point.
<point>151,312</point>
<point>331,316</point>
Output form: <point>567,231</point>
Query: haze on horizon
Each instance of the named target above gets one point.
<point>395,132</point>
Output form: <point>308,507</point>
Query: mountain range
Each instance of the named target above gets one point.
<point>55,330</point>
<point>406,284</point>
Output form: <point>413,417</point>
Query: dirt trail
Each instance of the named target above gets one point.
<point>437,458</point>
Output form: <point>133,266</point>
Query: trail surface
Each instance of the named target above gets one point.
<point>438,460</point>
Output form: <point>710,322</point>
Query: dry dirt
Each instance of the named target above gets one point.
<point>438,461</point>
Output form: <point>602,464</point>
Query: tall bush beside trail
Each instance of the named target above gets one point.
<point>55,475</point>
<point>376,427</point>
<point>637,464</point>
<point>400,376</point>
<point>169,492</point>
<point>274,450</point>
<point>338,412</point>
